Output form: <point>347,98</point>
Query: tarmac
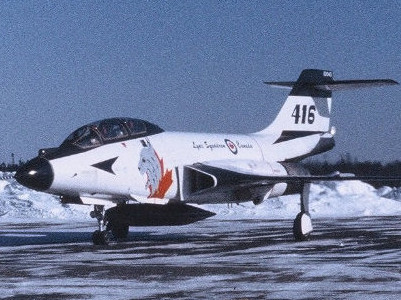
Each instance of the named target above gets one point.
<point>355,258</point>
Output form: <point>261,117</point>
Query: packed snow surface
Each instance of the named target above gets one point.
<point>328,199</point>
<point>249,253</point>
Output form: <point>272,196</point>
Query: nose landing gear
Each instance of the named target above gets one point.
<point>102,236</point>
<point>109,227</point>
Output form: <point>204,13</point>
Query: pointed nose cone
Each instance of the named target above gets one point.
<point>36,174</point>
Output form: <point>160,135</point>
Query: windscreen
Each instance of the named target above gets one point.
<point>110,130</point>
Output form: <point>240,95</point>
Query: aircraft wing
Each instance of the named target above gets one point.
<point>250,180</point>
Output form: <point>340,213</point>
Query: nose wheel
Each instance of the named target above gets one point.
<point>109,226</point>
<point>101,236</point>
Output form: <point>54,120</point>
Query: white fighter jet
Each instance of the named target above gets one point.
<point>150,176</point>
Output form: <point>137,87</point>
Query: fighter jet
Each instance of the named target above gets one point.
<point>150,176</point>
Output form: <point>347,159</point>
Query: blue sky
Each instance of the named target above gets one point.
<point>194,66</point>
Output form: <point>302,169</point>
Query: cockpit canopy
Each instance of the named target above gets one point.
<point>109,131</point>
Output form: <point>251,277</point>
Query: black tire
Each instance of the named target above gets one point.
<point>119,230</point>
<point>297,229</point>
<point>96,237</point>
<point>101,237</point>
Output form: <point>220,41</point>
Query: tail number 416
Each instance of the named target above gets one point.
<point>303,114</point>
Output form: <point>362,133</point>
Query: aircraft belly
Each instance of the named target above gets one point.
<point>91,183</point>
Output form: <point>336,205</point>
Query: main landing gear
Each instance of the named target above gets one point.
<point>109,228</point>
<point>114,222</point>
<point>303,222</point>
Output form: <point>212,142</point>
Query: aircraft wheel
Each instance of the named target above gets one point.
<point>119,230</point>
<point>101,237</point>
<point>96,237</point>
<point>302,227</point>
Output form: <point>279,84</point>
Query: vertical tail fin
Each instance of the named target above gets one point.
<point>307,108</point>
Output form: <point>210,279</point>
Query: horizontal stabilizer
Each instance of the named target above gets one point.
<point>335,85</point>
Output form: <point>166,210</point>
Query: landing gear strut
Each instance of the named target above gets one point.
<point>303,222</point>
<point>110,227</point>
<point>100,236</point>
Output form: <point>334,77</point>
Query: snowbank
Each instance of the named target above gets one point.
<point>18,202</point>
<point>328,199</point>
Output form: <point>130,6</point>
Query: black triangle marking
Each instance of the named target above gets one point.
<point>288,135</point>
<point>106,165</point>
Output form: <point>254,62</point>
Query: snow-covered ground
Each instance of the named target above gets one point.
<point>244,252</point>
<point>354,258</point>
<point>328,199</point>
<point>19,203</point>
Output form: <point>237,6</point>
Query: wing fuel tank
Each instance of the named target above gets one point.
<point>157,215</point>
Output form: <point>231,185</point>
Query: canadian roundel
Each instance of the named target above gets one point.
<point>233,148</point>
